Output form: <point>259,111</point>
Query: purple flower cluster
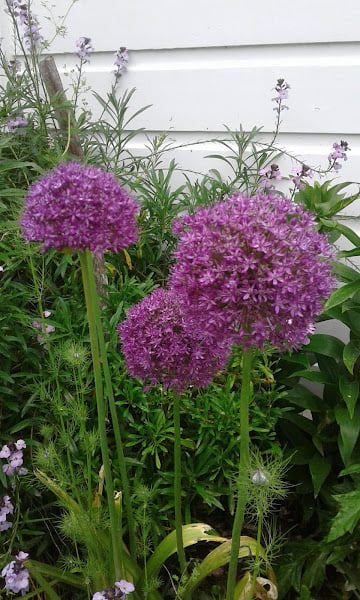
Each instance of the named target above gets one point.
<point>83,48</point>
<point>267,176</point>
<point>253,270</point>
<point>120,590</point>
<point>15,125</point>
<point>121,62</point>
<point>24,18</point>
<point>160,344</point>
<point>77,206</point>
<point>6,508</point>
<point>16,575</point>
<point>300,172</point>
<point>13,454</point>
<point>338,153</point>
<point>42,338</point>
<point>282,93</point>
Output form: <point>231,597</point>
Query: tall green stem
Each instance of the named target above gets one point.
<point>177,484</point>
<point>91,300</point>
<point>114,417</point>
<point>245,398</point>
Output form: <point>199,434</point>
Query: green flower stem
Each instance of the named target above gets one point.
<point>245,398</point>
<point>177,484</point>
<point>256,570</point>
<point>91,300</point>
<point>113,412</point>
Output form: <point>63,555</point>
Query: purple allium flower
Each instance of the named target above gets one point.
<point>13,453</point>
<point>78,206</point>
<point>338,153</point>
<point>16,575</point>
<point>282,93</point>
<point>253,269</point>
<point>161,346</point>
<point>299,172</point>
<point>83,48</point>
<point>6,508</point>
<point>121,62</point>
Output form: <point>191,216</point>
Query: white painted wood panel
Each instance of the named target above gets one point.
<point>145,24</point>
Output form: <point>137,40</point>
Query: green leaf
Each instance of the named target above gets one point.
<point>349,392</point>
<point>192,534</point>
<point>348,516</point>
<point>320,468</point>
<point>219,557</point>
<point>317,376</point>
<point>328,345</point>
<point>349,431</point>
<point>345,272</point>
<point>351,354</point>
<point>342,294</point>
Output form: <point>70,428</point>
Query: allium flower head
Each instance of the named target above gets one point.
<point>78,206</point>
<point>253,269</point>
<point>161,346</point>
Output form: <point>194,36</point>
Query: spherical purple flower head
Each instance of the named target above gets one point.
<point>160,347</point>
<point>254,269</point>
<point>78,206</point>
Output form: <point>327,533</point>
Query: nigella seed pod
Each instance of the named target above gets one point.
<point>259,477</point>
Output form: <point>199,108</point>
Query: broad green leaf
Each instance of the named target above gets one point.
<point>345,272</point>
<point>219,557</point>
<point>320,468</point>
<point>347,232</point>
<point>342,294</point>
<point>349,431</point>
<point>328,345</point>
<point>351,354</point>
<point>317,376</point>
<point>355,468</point>
<point>348,516</point>
<point>349,391</point>
<point>303,397</point>
<point>192,534</point>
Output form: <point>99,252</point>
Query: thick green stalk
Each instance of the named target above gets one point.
<point>114,417</point>
<point>91,300</point>
<point>177,484</point>
<point>245,398</point>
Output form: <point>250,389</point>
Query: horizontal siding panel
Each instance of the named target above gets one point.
<point>141,24</point>
<point>203,90</point>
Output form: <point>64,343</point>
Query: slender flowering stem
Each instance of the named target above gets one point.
<point>114,417</point>
<point>245,398</point>
<point>91,300</point>
<point>177,484</point>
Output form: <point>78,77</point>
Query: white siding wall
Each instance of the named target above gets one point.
<point>203,64</point>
